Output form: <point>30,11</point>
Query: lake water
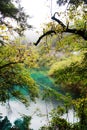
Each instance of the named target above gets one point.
<point>38,111</point>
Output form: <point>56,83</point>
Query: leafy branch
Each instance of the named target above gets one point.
<point>80,32</point>
<point>11,63</point>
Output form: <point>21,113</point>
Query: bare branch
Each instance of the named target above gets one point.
<point>45,34</point>
<point>58,21</point>
<point>81,33</point>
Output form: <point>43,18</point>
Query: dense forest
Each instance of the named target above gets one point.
<point>54,68</point>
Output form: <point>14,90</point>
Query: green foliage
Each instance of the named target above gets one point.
<point>71,73</point>
<point>80,24</point>
<point>72,2</point>
<point>46,59</point>
<point>57,112</point>
<point>72,76</point>
<point>12,15</point>
<point>70,43</point>
<point>64,63</point>
<point>5,124</point>
<point>15,62</point>
<point>80,106</point>
<point>8,9</point>
<point>22,124</point>
<point>57,123</point>
<point>19,124</point>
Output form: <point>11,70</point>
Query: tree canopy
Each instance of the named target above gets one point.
<point>11,13</point>
<point>16,58</point>
<point>75,12</point>
<point>70,70</point>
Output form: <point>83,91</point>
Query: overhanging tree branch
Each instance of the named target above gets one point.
<point>82,33</point>
<point>58,21</point>
<point>45,34</point>
<point>11,63</point>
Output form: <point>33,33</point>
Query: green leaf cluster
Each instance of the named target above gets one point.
<point>8,9</point>
<point>15,62</point>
